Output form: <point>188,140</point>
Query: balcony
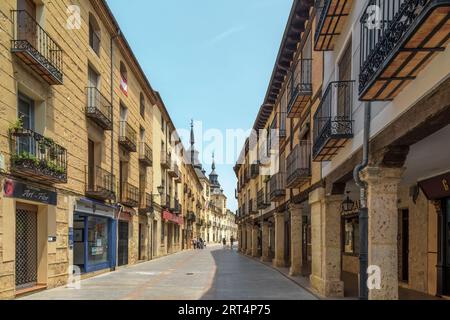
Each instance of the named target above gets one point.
<point>98,109</point>
<point>246,176</point>
<point>330,19</point>
<point>165,160</point>
<point>261,200</point>
<point>278,187</point>
<point>177,208</point>
<point>36,157</point>
<point>252,207</point>
<point>127,137</point>
<point>174,171</point>
<point>298,165</point>
<point>145,154</point>
<point>282,128</point>
<point>395,49</point>
<point>129,195</point>
<point>299,88</point>
<point>36,48</point>
<point>100,184</point>
<point>333,124</point>
<point>145,203</point>
<point>254,170</point>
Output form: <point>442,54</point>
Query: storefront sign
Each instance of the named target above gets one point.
<point>169,216</point>
<point>14,189</point>
<point>89,207</point>
<point>436,188</point>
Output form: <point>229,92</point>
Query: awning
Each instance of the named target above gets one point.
<point>169,216</point>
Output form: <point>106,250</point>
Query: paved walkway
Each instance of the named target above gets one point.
<point>212,274</point>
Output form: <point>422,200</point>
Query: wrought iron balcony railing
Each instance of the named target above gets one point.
<point>254,170</point>
<point>165,160</point>
<point>32,44</point>
<point>252,206</point>
<point>37,157</point>
<point>99,108</point>
<point>299,87</point>
<point>100,184</point>
<point>333,124</point>
<point>145,203</point>
<point>262,201</point>
<point>282,116</point>
<point>278,186</point>
<point>127,137</point>
<point>396,43</point>
<point>129,195</point>
<point>145,154</point>
<point>298,165</point>
<point>330,19</point>
<point>174,171</point>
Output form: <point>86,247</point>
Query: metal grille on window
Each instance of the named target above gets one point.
<point>26,248</point>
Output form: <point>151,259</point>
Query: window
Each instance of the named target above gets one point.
<point>142,106</point>
<point>350,235</point>
<point>94,34</point>
<point>123,79</point>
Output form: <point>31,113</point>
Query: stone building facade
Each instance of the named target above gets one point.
<point>361,82</point>
<point>93,176</point>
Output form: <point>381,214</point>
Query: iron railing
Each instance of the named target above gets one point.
<point>381,35</point>
<point>38,157</point>
<point>129,195</point>
<point>300,81</point>
<point>321,7</point>
<point>100,184</point>
<point>298,163</point>
<point>262,201</point>
<point>99,108</point>
<point>333,118</point>
<point>36,48</point>
<point>165,159</point>
<point>145,154</point>
<point>145,202</point>
<point>278,186</point>
<point>127,136</point>
<point>254,170</point>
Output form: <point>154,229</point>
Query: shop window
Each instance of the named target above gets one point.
<point>351,235</point>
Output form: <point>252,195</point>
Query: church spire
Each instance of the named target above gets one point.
<point>192,143</point>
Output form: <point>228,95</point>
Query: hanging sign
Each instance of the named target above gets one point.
<point>436,188</point>
<point>14,189</point>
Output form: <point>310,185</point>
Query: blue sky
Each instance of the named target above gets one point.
<point>211,60</point>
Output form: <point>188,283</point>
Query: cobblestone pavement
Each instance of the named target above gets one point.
<point>212,274</point>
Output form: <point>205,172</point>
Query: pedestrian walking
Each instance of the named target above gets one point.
<point>224,241</point>
<point>194,244</point>
<point>232,242</point>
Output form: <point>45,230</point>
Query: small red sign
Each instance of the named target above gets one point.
<point>169,216</point>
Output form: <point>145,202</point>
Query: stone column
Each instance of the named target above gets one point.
<point>382,197</point>
<point>265,242</point>
<point>255,232</point>
<point>279,240</point>
<point>296,239</point>
<point>326,243</point>
<point>248,250</point>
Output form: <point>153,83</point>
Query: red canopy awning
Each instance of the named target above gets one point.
<point>169,216</point>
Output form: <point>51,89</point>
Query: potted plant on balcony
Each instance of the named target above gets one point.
<point>18,130</point>
<point>26,160</point>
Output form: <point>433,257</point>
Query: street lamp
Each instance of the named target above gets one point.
<point>348,205</point>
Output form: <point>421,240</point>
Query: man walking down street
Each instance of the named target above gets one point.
<point>231,242</point>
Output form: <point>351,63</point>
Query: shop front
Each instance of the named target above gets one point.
<point>437,189</point>
<point>93,236</point>
<point>174,221</point>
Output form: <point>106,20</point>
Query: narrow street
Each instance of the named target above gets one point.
<point>210,274</point>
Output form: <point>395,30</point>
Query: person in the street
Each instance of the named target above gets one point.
<point>224,242</point>
<point>231,242</point>
<point>200,242</point>
<point>194,244</point>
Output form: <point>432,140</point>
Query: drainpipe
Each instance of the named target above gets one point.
<point>363,212</point>
<point>112,132</point>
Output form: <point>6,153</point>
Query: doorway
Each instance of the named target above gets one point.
<point>123,244</point>
<point>306,246</point>
<point>26,246</point>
